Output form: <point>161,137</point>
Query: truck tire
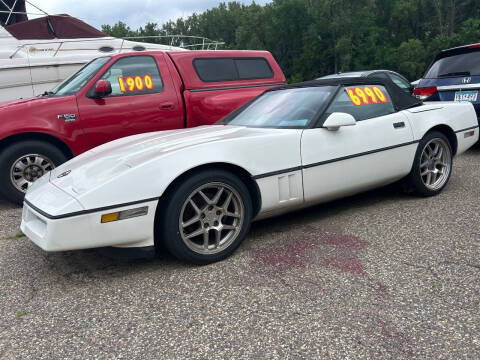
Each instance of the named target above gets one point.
<point>206,217</point>
<point>24,162</point>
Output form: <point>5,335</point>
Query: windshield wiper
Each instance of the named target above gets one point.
<point>459,73</point>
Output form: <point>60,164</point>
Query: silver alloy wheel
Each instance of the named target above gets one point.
<point>27,169</point>
<point>211,218</point>
<point>435,164</point>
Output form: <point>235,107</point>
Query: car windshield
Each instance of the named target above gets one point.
<point>287,108</point>
<point>78,80</point>
<point>456,65</point>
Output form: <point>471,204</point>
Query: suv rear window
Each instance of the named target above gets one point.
<point>231,69</point>
<point>456,65</point>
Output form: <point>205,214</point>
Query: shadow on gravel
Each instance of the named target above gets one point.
<point>6,205</point>
<point>331,209</point>
<point>475,148</point>
<point>88,266</point>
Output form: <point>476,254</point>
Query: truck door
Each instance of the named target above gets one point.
<point>143,99</point>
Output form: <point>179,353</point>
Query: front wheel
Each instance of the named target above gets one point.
<point>206,218</point>
<point>432,166</point>
<point>24,162</point>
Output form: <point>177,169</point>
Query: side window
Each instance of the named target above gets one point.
<point>253,69</point>
<point>379,75</point>
<point>134,75</point>
<point>231,69</point>
<point>362,102</point>
<point>401,83</point>
<point>211,69</point>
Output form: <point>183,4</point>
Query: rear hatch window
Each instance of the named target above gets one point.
<point>467,64</point>
<point>454,76</point>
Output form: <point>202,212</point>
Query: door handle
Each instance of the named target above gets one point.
<point>398,125</point>
<point>167,106</point>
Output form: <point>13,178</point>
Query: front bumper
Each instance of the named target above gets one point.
<point>84,230</point>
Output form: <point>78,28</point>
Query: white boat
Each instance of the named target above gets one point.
<point>37,54</point>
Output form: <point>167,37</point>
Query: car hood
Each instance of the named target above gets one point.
<point>107,161</point>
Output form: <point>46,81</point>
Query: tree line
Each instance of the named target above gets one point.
<point>311,38</point>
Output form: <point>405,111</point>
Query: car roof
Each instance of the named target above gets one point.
<point>464,49</point>
<point>469,46</point>
<point>359,73</point>
<point>400,98</point>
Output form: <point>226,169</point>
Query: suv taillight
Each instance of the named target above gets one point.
<point>425,92</point>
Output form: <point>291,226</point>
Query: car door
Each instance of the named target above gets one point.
<point>143,99</point>
<point>377,150</point>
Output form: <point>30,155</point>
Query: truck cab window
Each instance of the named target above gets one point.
<point>135,75</point>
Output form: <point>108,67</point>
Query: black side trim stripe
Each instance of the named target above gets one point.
<point>236,87</point>
<point>84,212</point>
<point>273,173</point>
<point>360,154</point>
<point>279,172</point>
<point>470,128</point>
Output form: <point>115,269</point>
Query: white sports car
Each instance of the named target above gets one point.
<point>197,190</point>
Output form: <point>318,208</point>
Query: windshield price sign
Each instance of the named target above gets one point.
<point>366,95</point>
<point>135,83</point>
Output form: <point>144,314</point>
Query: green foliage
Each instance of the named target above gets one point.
<point>21,314</point>
<point>411,58</point>
<point>311,38</point>
<point>16,236</point>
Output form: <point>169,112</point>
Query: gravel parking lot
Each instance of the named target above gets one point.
<point>378,275</point>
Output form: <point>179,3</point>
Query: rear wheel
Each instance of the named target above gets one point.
<point>432,166</point>
<point>23,163</point>
<point>206,218</point>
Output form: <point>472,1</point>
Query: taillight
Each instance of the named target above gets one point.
<point>424,92</point>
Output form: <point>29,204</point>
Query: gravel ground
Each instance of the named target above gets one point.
<point>378,275</point>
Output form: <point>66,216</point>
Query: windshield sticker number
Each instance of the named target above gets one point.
<point>135,83</point>
<point>366,95</point>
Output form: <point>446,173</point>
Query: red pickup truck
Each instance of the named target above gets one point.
<point>122,95</point>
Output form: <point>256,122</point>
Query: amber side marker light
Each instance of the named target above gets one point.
<point>125,214</point>
<point>469,133</point>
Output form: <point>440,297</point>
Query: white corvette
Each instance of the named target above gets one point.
<point>197,190</point>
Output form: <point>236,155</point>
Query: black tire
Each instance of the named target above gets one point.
<point>414,181</point>
<point>168,216</point>
<point>10,154</point>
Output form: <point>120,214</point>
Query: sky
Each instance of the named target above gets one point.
<point>134,13</point>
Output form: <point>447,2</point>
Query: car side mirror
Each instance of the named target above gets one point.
<point>102,89</point>
<point>338,119</point>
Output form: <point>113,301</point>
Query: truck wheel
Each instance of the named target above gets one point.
<point>432,166</point>
<point>24,162</point>
<point>206,218</point>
